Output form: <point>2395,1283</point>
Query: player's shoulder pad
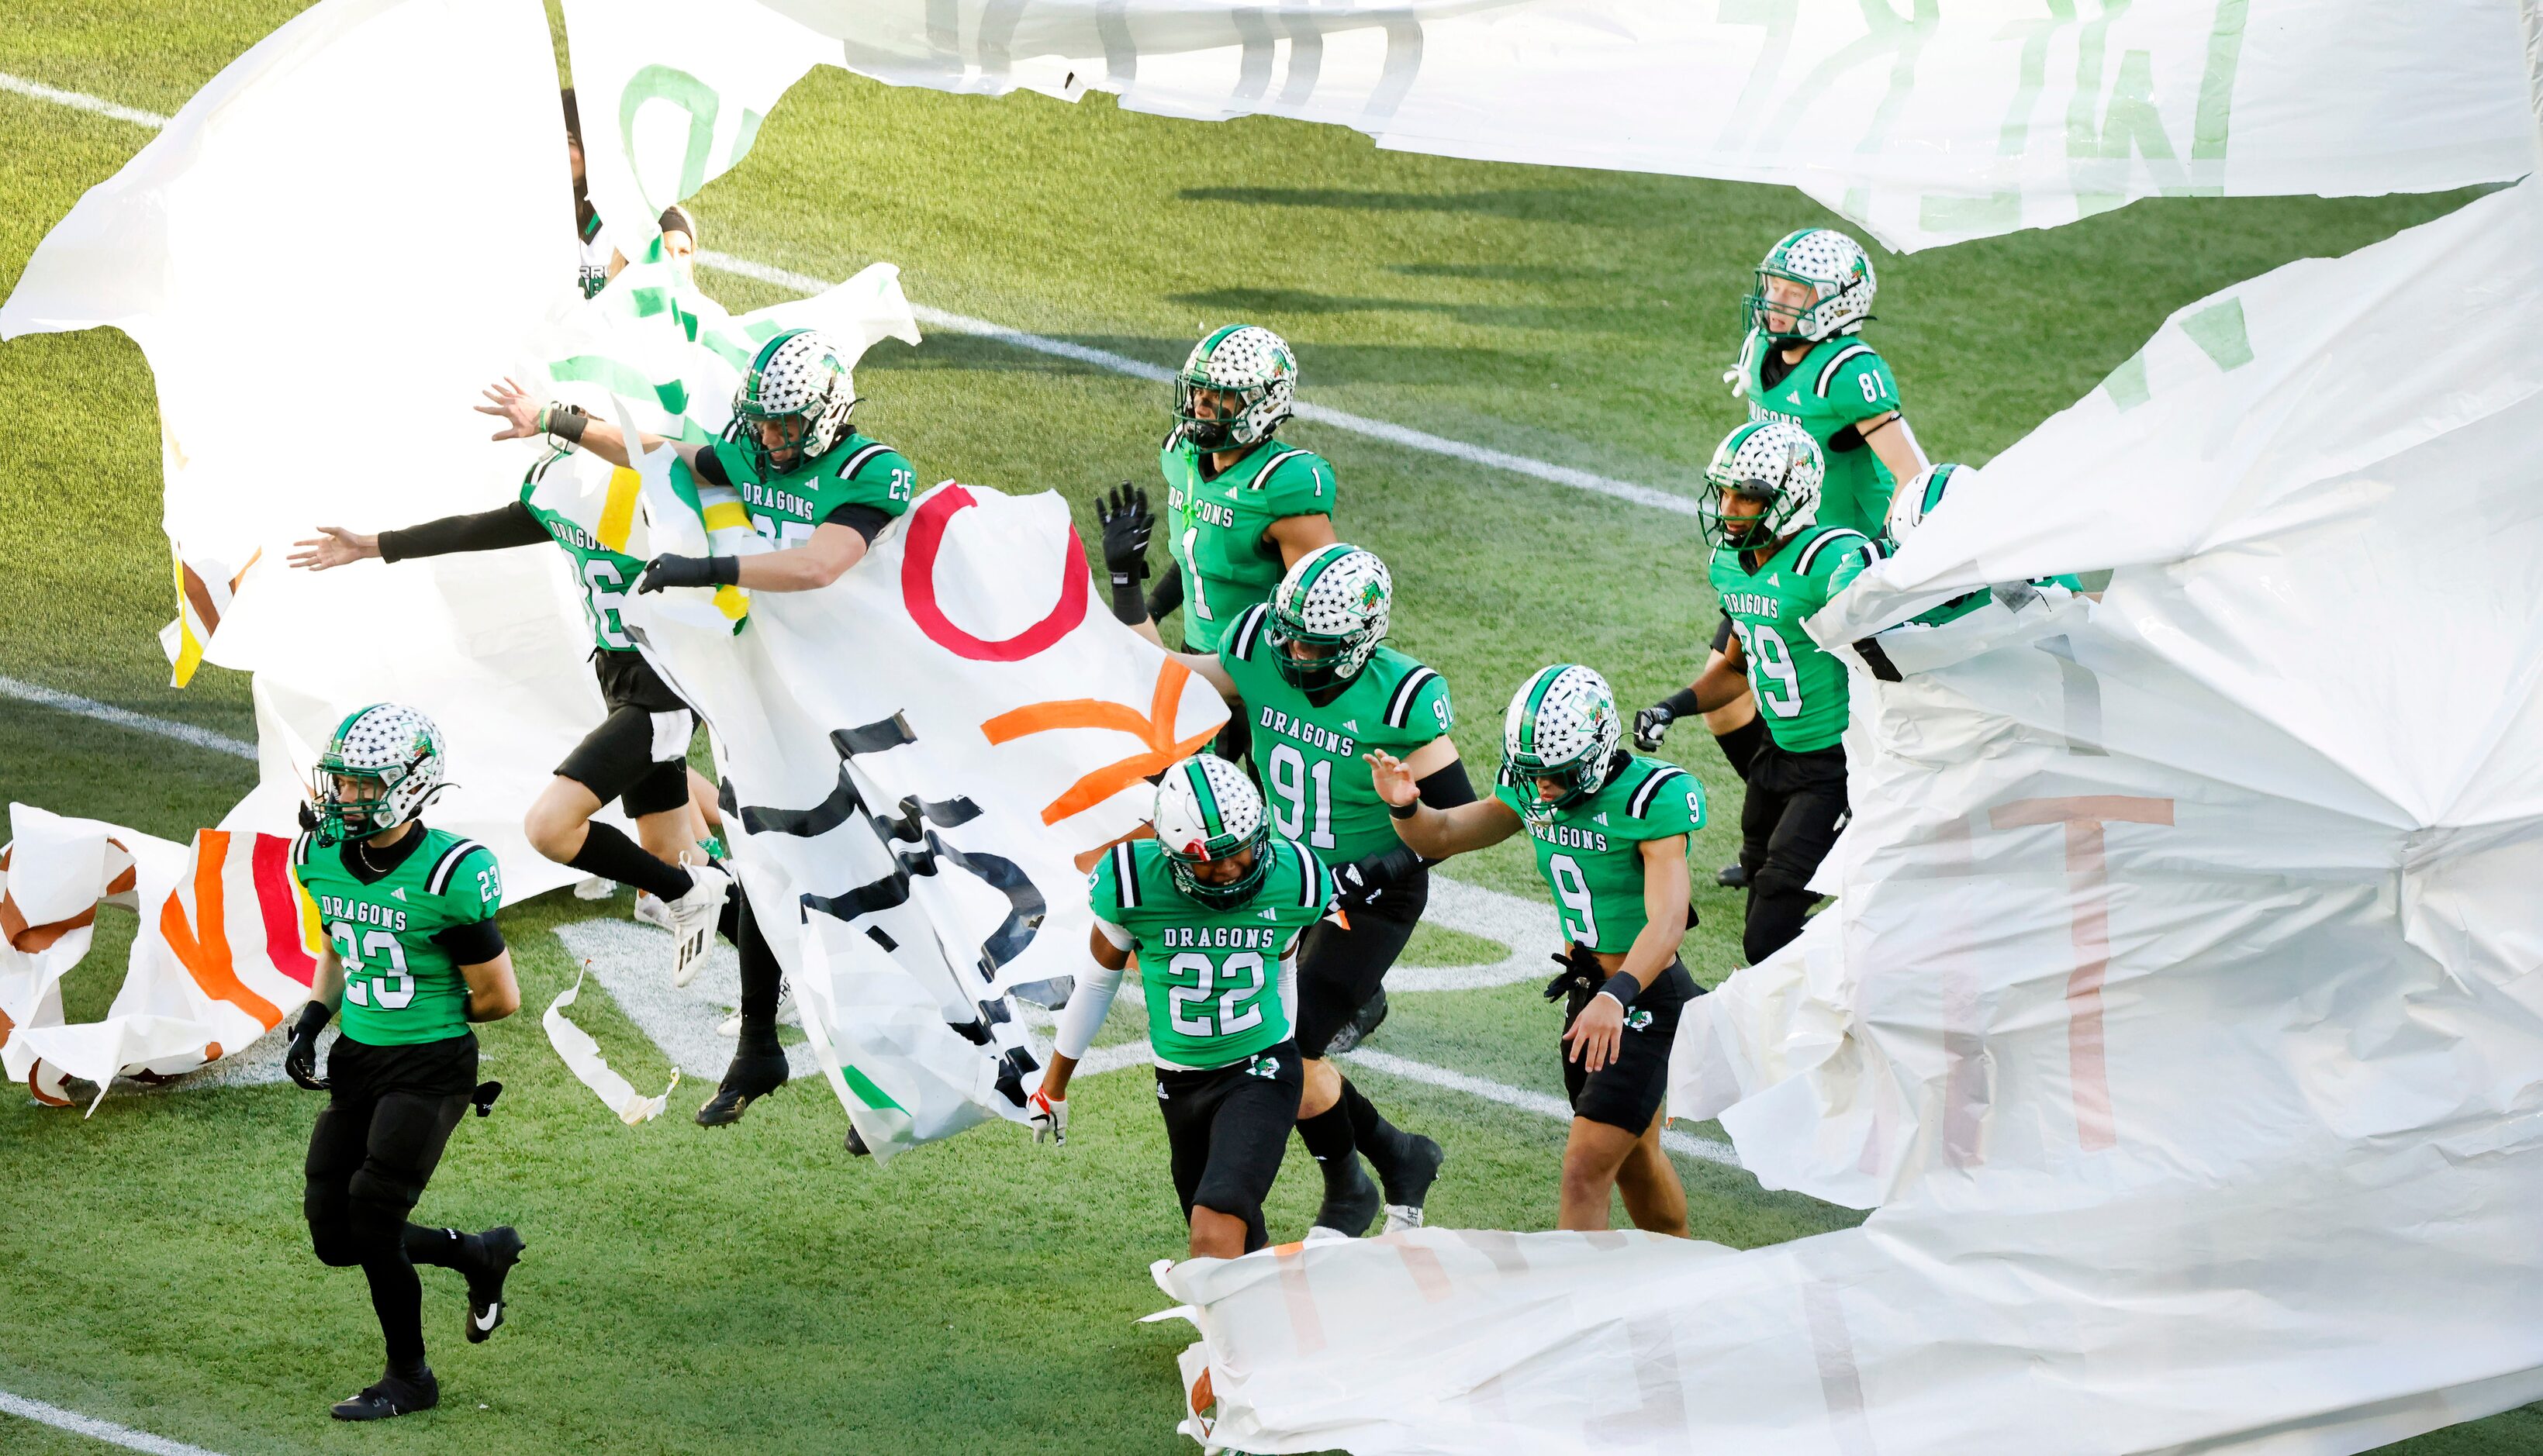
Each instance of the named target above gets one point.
<point>1418,685</point>
<point>1240,639</point>
<point>871,461</point>
<point>1820,554</point>
<point>455,855</point>
<point>1663,783</point>
<point>1312,888</point>
<point>1295,471</point>
<point>1850,358</point>
<point>302,845</point>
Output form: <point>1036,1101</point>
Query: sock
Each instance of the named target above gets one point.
<point>442,1248</point>
<point>1328,1136</point>
<point>1382,1140</point>
<point>762,980</point>
<point>1739,746</point>
<point>611,855</point>
<point>397,1297</point>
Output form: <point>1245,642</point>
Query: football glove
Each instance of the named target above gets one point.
<point>1123,513</point>
<point>1048,1118</point>
<point>300,1059</point>
<point>689,571</point>
<point>1651,725</point>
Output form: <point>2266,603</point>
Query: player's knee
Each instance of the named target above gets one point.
<point>375,1210</point>
<point>330,1234</point>
<point>1585,1179</point>
<point>554,829</point>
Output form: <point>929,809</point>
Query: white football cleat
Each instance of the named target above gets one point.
<point>649,910</point>
<point>693,920</point>
<point>593,888</point>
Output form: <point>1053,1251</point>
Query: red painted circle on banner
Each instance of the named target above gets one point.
<point>918,588</point>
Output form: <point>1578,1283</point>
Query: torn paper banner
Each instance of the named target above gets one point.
<point>581,1056</point>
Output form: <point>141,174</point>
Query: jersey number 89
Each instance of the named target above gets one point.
<point>1770,668</point>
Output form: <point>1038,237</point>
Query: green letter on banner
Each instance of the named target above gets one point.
<point>689,94</point>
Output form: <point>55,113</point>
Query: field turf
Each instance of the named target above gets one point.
<point>755,1288</point>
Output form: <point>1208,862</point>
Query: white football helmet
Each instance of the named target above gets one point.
<point>1839,273</point>
<point>1770,460</point>
<point>1335,600</point>
<point>1208,811</point>
<point>800,379</point>
<point>1562,724</point>
<point>1918,499</point>
<point>1249,361</point>
<point>381,767</point>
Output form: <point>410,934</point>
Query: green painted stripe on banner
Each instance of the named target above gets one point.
<point>2219,331</point>
<point>620,379</point>
<point>868,1093</point>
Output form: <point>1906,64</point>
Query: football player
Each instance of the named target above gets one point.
<point>1774,563</point>
<point>1241,507</point>
<point>1802,360</point>
<point>1612,830</point>
<point>411,957</point>
<point>1213,908</point>
<point>599,257</point>
<point>637,755</point>
<point>811,483</point>
<point>1309,673</point>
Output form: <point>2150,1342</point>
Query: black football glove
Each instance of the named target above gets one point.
<point>1651,725</point>
<point>689,571</point>
<point>300,1059</point>
<point>1123,513</point>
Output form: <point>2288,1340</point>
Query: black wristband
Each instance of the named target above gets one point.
<point>1682,704</point>
<point>314,1014</point>
<point>563,423</point>
<point>724,570</point>
<point>1623,987</point>
<point>1129,608</point>
<point>1403,811</point>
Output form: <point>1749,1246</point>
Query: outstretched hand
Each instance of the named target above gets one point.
<point>1392,780</point>
<point>1126,521</point>
<point>511,404</point>
<point>333,546</point>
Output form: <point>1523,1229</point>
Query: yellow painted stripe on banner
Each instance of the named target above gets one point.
<point>618,512</point>
<point>726,515</point>
<point>190,648</point>
<point>733,601</point>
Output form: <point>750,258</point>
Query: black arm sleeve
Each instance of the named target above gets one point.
<point>1447,787</point>
<point>710,467</point>
<point>1169,591</point>
<point>487,530</point>
<point>866,520</point>
<point>473,943</point>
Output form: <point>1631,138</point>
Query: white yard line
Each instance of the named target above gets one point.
<point>952,323</point>
<point>183,732</point>
<point>94,1428</point>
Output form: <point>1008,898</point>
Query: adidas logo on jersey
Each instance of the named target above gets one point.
<point>398,894</point>
<point>1602,816</point>
<point>1270,914</point>
<point>1774,578</point>
<point>1352,724</point>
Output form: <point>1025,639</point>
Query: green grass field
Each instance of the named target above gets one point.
<point>756,1288</point>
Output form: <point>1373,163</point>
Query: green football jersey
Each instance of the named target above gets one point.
<point>1228,564</point>
<point>1308,755</point>
<point>1590,853</point>
<point>605,576</point>
<point>1211,977</point>
<point>789,506</point>
<point>1839,382</point>
<point>1801,689</point>
<point>399,986</point>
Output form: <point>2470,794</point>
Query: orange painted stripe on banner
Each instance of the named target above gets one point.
<point>1156,731</point>
<point>206,955</point>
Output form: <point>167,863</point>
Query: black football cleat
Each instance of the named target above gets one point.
<point>753,1073</point>
<point>1731,876</point>
<point>1362,1025</point>
<point>391,1397</point>
<point>1408,1182</point>
<point>855,1143</point>
<point>498,1249</point>
<point>1351,1210</point>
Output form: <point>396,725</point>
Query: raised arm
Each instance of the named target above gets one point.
<point>1126,522</point>
<point>525,417</point>
<point>1436,833</point>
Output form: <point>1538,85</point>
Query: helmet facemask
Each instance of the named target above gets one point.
<point>1224,894</point>
<point>1744,532</point>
